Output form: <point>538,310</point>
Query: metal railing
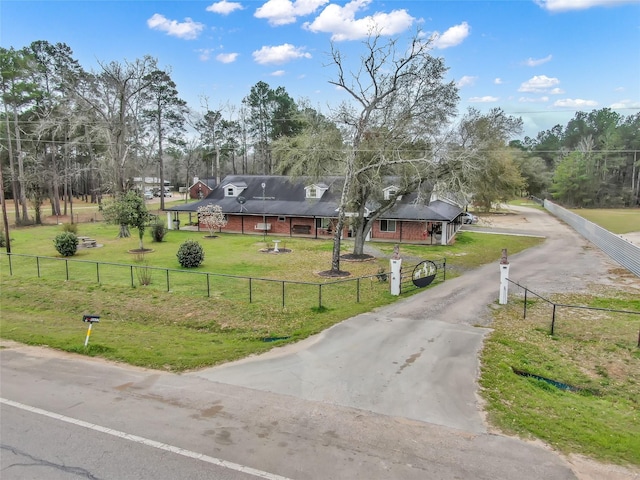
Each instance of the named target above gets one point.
<point>214,285</point>
<point>406,275</point>
<point>622,251</point>
<point>556,306</point>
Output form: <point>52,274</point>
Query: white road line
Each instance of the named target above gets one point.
<point>147,442</point>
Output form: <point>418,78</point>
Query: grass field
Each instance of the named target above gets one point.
<point>184,328</point>
<point>616,220</point>
<point>592,350</point>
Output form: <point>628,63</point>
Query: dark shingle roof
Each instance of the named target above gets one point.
<point>285,196</point>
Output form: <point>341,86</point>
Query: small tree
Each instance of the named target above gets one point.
<point>212,217</point>
<point>128,210</point>
<point>190,254</point>
<point>158,231</point>
<point>66,244</point>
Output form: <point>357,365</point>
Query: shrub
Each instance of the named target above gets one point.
<point>158,231</point>
<point>70,227</point>
<point>144,274</point>
<point>190,254</point>
<point>66,244</point>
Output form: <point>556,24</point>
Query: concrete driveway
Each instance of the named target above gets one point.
<point>418,358</point>
<point>389,394</point>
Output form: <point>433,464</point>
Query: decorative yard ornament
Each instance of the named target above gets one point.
<point>424,273</point>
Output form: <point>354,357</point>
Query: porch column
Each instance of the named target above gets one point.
<point>444,236</point>
<point>169,222</point>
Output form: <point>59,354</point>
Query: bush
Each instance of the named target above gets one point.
<point>70,227</point>
<point>190,254</point>
<point>66,244</point>
<point>158,231</point>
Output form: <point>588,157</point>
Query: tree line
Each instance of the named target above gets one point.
<point>67,132</point>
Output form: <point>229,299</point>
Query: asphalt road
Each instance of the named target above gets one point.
<point>391,394</point>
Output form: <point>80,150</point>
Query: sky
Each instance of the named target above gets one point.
<point>541,60</point>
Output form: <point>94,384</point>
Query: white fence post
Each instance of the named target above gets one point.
<point>504,275</point>
<point>396,268</point>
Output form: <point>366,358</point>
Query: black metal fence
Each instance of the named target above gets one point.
<point>557,306</point>
<point>408,280</point>
<point>213,285</point>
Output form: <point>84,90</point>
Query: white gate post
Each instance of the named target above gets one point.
<point>504,275</point>
<point>395,267</point>
<point>169,222</point>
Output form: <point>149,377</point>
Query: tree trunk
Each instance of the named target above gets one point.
<point>12,168</point>
<point>359,231</point>
<point>21,187</point>
<point>124,231</point>
<point>55,179</point>
<point>337,238</point>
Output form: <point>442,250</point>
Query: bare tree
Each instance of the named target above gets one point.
<point>400,103</point>
<point>113,95</point>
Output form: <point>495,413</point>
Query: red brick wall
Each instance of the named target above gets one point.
<point>193,190</point>
<point>410,231</point>
<point>247,224</point>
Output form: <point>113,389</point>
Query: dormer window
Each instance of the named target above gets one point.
<point>234,189</point>
<point>390,192</point>
<point>315,191</point>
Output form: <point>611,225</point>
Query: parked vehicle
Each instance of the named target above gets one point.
<point>148,195</point>
<point>468,218</point>
<point>167,192</point>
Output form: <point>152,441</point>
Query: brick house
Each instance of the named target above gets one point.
<point>285,206</point>
<point>201,188</point>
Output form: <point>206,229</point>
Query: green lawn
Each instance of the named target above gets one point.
<point>188,327</point>
<point>207,317</point>
<point>616,220</point>
<point>593,350</point>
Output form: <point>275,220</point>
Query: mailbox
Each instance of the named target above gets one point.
<point>91,318</point>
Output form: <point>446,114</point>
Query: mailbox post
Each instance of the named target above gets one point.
<point>90,319</point>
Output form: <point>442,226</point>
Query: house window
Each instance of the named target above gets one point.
<point>389,193</point>
<point>323,222</point>
<point>229,192</point>
<point>312,192</point>
<point>387,225</point>
<point>281,219</point>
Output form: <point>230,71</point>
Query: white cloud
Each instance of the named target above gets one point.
<point>534,62</point>
<point>565,5</point>
<point>284,12</point>
<point>539,83</point>
<point>556,91</point>
<point>485,99</point>
<point>187,29</point>
<point>466,81</point>
<point>542,99</point>
<point>575,103</point>
<point>498,81</point>
<point>278,73</point>
<point>342,24</point>
<point>224,8</point>
<point>205,53</point>
<point>279,54</point>
<point>625,104</point>
<point>452,37</point>
<point>226,57</point>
